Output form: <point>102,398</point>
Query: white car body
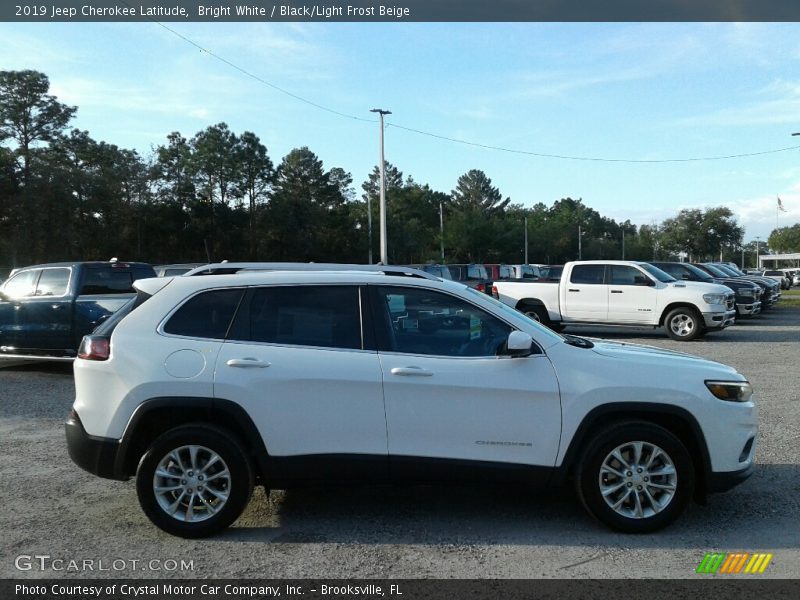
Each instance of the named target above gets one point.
<point>314,406</point>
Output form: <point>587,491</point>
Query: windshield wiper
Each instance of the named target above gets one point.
<point>574,340</point>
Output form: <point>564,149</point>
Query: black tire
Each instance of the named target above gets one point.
<point>589,473</point>
<point>684,324</point>
<point>236,486</point>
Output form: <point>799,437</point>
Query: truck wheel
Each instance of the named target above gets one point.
<point>683,324</point>
<point>537,313</point>
<point>635,477</point>
<point>194,481</point>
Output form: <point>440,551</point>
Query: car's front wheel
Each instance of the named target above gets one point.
<point>683,324</point>
<point>635,477</point>
<point>194,481</point>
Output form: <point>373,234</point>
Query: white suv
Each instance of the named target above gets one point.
<point>203,387</point>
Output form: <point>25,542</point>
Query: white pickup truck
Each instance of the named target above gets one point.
<point>613,292</point>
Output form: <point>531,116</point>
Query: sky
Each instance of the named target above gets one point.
<point>635,91</point>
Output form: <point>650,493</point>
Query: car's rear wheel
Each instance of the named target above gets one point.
<point>194,481</point>
<point>635,477</point>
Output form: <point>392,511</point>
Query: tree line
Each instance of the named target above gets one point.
<point>218,195</point>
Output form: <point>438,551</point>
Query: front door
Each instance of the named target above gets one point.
<point>452,404</point>
<point>632,296</point>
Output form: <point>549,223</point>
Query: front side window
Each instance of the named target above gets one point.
<point>587,274</point>
<point>320,316</point>
<point>625,275</point>
<point>53,282</point>
<point>22,284</point>
<point>207,315</point>
<point>420,321</point>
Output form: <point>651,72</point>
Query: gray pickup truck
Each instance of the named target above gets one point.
<point>45,310</point>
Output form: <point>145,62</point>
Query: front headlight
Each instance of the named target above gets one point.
<point>714,298</point>
<point>734,391</point>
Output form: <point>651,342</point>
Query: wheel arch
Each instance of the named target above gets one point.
<point>674,419</point>
<point>673,306</point>
<point>158,415</point>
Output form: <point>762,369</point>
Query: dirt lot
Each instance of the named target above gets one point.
<point>50,507</point>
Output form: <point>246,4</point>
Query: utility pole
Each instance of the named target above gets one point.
<point>441,229</point>
<point>623,243</point>
<point>526,240</point>
<point>579,243</point>
<point>384,252</point>
<point>369,227</point>
<point>758,260</point>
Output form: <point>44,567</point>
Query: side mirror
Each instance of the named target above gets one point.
<point>519,345</point>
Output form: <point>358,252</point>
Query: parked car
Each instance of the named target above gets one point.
<point>624,293</point>
<point>473,275</point>
<point>175,270</point>
<point>780,277</point>
<point>437,270</point>
<point>527,272</point>
<point>496,271</point>
<point>748,294</point>
<point>46,309</point>
<point>720,270</point>
<point>205,386</point>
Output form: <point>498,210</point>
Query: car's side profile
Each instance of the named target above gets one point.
<point>205,386</point>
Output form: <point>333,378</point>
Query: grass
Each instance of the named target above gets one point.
<point>790,298</point>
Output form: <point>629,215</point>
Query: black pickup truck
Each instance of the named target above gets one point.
<point>45,310</point>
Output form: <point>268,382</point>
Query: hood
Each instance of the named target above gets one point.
<point>666,358</point>
<point>701,286</point>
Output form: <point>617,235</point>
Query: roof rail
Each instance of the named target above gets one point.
<point>230,268</point>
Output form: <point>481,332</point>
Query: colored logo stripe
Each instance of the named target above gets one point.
<point>734,562</point>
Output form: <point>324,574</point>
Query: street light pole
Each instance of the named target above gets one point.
<point>384,252</point>
<point>758,261</point>
<point>526,240</point>
<point>441,229</point>
<point>580,254</point>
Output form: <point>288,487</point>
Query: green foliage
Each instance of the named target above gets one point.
<point>701,234</point>
<point>785,239</point>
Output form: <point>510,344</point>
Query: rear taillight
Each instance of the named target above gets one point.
<point>495,293</point>
<point>94,347</point>
<point>481,288</point>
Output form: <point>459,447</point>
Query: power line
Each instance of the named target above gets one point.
<point>587,158</point>
<point>456,140</point>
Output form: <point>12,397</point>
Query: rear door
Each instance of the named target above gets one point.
<point>586,294</point>
<point>300,361</point>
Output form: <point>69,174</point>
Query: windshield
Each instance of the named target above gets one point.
<point>716,271</point>
<point>727,270</point>
<point>702,275</point>
<point>657,273</point>
<point>506,309</point>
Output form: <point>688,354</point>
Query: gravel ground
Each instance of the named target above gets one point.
<point>50,507</point>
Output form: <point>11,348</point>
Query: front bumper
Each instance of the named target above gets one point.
<point>723,481</point>
<point>719,320</point>
<point>97,455</point>
<point>749,309</point>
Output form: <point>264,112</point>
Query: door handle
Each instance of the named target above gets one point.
<point>573,290</point>
<point>411,372</point>
<point>616,291</point>
<point>253,363</point>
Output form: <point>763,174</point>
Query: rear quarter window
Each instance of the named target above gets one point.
<point>207,315</point>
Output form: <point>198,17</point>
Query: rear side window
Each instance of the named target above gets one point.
<point>206,315</point>
<point>587,274</point>
<point>53,282</point>
<point>106,281</point>
<point>321,316</point>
